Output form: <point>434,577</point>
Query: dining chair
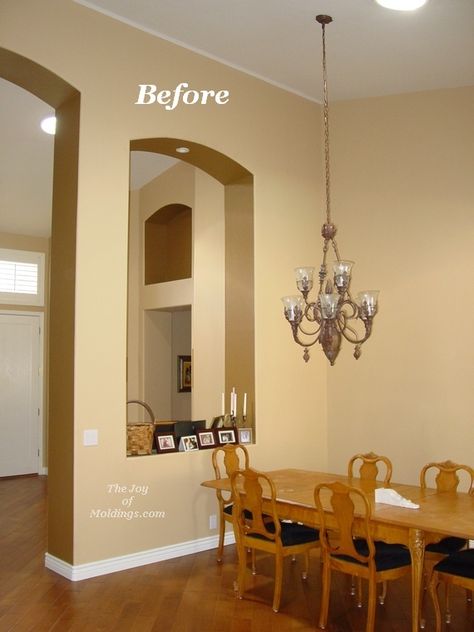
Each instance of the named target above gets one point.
<point>368,467</point>
<point>340,507</point>
<point>456,569</point>
<point>264,531</point>
<point>446,480</point>
<point>225,461</point>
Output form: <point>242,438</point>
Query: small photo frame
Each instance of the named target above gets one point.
<point>184,374</point>
<point>226,435</point>
<point>245,435</point>
<point>165,442</point>
<point>188,443</point>
<point>206,439</point>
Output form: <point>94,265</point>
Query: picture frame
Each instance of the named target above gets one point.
<point>189,443</point>
<point>226,435</point>
<point>245,435</point>
<point>165,442</point>
<point>206,439</point>
<point>184,374</point>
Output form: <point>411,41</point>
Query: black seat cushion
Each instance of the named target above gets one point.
<point>459,563</point>
<point>228,511</point>
<point>446,546</point>
<point>387,556</point>
<point>291,533</point>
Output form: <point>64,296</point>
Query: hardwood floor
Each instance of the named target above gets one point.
<point>187,594</point>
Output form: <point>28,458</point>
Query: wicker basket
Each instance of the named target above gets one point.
<point>140,435</point>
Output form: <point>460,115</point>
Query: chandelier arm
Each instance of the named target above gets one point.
<point>305,344</point>
<point>336,249</point>
<point>310,313</point>
<point>355,340</point>
<point>310,333</point>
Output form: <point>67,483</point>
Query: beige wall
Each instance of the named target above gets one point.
<point>403,192</point>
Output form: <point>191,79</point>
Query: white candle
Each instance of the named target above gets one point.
<point>231,403</point>
<point>222,404</point>
<point>235,404</point>
<point>244,409</point>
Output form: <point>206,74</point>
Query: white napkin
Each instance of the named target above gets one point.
<point>391,497</point>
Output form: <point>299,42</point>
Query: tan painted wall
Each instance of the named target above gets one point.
<point>275,136</point>
<point>403,192</point>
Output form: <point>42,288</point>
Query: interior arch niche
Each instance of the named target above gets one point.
<point>234,184</point>
<point>65,99</point>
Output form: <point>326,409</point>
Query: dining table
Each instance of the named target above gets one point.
<point>439,514</point>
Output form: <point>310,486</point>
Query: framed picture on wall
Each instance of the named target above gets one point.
<point>184,374</point>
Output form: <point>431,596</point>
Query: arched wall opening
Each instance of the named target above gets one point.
<point>60,416</point>
<point>238,271</point>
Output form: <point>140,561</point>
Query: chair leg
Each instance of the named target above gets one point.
<point>434,597</point>
<point>468,596</point>
<point>220,548</point>
<point>372,600</point>
<point>359,592</point>
<point>383,593</point>
<point>447,616</point>
<point>326,581</point>
<point>353,585</point>
<point>254,561</point>
<point>242,568</point>
<point>278,581</point>
<point>305,572</point>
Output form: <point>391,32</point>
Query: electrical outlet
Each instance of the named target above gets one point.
<point>213,521</point>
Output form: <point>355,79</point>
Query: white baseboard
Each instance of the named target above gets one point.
<point>124,562</point>
<point>43,471</point>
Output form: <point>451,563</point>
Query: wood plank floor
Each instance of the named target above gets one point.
<point>187,594</point>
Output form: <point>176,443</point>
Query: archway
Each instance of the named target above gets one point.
<point>66,100</point>
<point>237,212</point>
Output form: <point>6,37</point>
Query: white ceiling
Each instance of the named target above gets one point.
<point>371,52</point>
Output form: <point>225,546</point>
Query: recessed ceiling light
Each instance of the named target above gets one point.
<point>182,150</point>
<point>402,5</point>
<point>48,125</point>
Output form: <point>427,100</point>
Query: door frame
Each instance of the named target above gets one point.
<point>42,469</point>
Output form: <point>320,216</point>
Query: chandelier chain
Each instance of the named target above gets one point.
<point>326,128</point>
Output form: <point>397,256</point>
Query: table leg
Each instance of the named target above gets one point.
<point>416,544</point>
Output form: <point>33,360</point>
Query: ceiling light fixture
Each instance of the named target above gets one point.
<point>48,125</point>
<point>331,315</point>
<point>182,150</point>
<point>401,5</point>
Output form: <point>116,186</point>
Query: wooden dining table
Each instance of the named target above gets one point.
<point>440,514</point>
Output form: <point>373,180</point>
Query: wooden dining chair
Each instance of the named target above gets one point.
<point>225,461</point>
<point>368,467</point>
<point>456,569</point>
<point>339,507</point>
<point>264,531</point>
<point>446,480</point>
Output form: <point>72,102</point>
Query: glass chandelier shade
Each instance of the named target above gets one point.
<point>334,314</point>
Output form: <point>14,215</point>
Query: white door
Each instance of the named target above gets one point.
<point>19,393</point>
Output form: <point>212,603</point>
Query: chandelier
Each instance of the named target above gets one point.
<point>332,316</point>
